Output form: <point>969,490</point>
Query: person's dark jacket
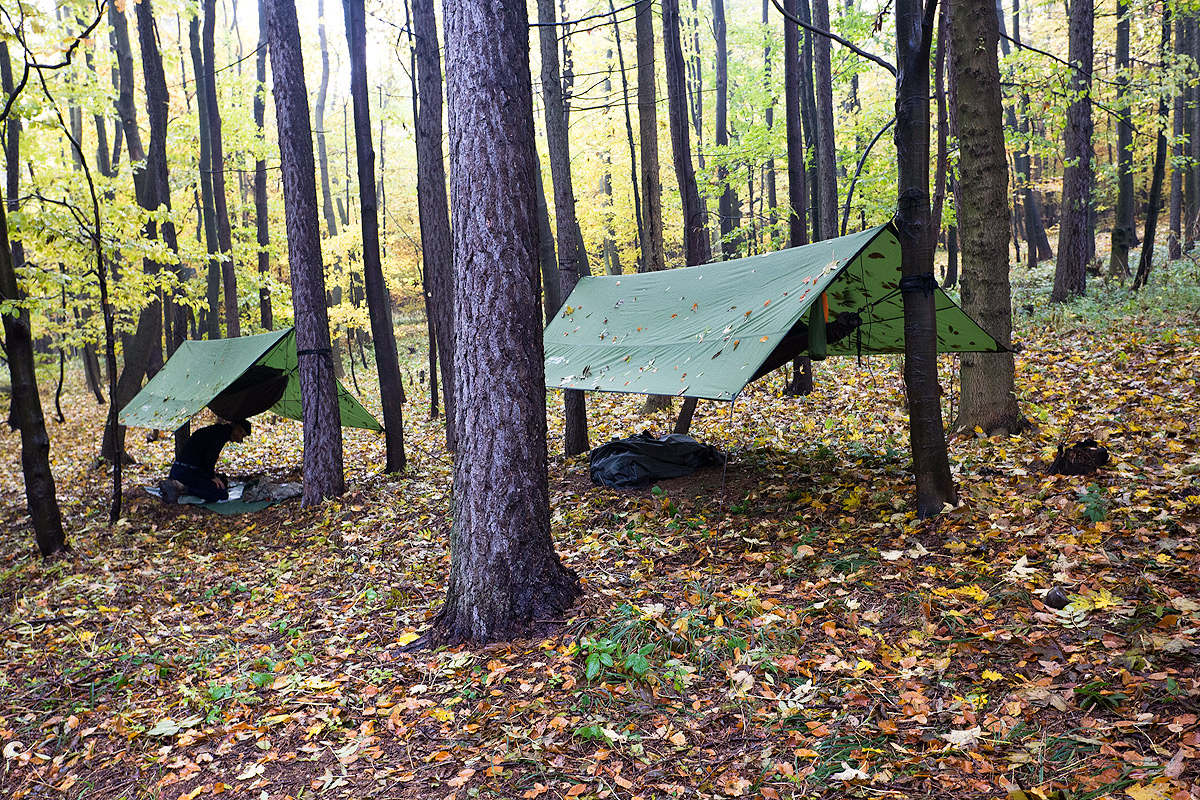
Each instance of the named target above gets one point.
<point>203,448</point>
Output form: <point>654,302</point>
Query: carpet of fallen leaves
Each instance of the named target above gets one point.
<point>781,628</point>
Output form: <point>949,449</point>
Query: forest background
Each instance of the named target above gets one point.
<point>754,630</point>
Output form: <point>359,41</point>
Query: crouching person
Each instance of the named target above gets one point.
<point>194,471</point>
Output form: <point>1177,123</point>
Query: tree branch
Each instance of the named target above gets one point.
<point>843,42</point>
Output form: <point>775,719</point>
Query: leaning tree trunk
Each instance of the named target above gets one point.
<point>319,118</point>
<point>931,463</point>
<point>1074,247</point>
<point>261,214</point>
<point>1160,168</point>
<point>433,207</point>
<point>572,260</point>
<point>652,243</point>
<point>504,573</point>
<point>40,495</point>
<point>988,379</point>
<point>323,476</point>
<point>797,190</point>
<point>379,303</point>
<point>217,149</point>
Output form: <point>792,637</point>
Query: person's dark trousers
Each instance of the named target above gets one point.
<point>198,483</point>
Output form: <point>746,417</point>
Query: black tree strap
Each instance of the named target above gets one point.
<point>318,351</point>
<point>924,284</point>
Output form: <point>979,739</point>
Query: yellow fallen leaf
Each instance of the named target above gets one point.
<point>407,638</point>
<point>991,675</point>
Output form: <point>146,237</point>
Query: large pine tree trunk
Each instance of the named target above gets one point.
<point>436,242</point>
<point>931,464</point>
<point>572,260</point>
<point>217,151</point>
<point>323,476</point>
<point>26,408</point>
<point>988,398</point>
<point>379,302</point>
<point>1074,247</point>
<point>504,573</point>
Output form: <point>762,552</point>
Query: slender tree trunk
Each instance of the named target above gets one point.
<point>379,304</point>
<point>943,123</point>
<point>40,495</point>
<point>217,150</point>
<point>797,188</point>
<point>1070,275</point>
<point>827,199</point>
<point>695,231</point>
<point>1175,239</point>
<point>323,476</point>
<point>504,573</point>
<point>988,379</point>
<point>319,118</point>
<point>208,209</point>
<point>1160,169</point>
<point>572,260</point>
<point>261,214</point>
<point>547,260</point>
<point>801,383</point>
<point>652,243</point>
<point>931,464</point>
<point>436,242</point>
<point>1124,235</point>
<point>728,207</point>
<point>633,164</point>
<point>769,117</point>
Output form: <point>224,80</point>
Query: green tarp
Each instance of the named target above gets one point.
<point>200,371</point>
<point>705,331</point>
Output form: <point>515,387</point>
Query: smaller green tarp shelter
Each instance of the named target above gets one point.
<point>237,378</point>
<point>707,331</point>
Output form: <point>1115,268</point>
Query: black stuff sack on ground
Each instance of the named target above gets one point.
<point>642,459</point>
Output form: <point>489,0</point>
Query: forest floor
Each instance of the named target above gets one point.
<point>782,628</point>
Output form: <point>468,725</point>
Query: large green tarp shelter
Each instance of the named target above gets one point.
<point>706,331</point>
<point>250,374</point>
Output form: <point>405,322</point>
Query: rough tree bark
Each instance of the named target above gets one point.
<point>1074,247</point>
<point>931,464</point>
<point>323,476</point>
<point>504,573</point>
<point>433,206</point>
<point>988,379</point>
<point>572,259</point>
<point>379,302</point>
